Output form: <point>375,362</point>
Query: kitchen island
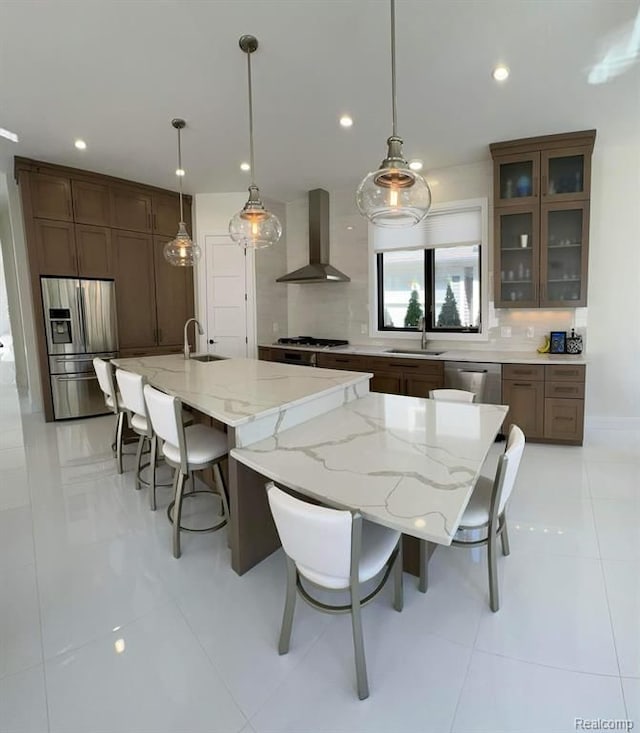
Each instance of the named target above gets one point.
<point>254,400</point>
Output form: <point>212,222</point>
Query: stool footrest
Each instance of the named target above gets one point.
<point>213,527</point>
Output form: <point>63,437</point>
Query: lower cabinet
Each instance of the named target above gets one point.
<point>547,402</point>
<point>387,383</point>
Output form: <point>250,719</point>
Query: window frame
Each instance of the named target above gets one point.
<point>429,289</point>
<point>480,205</point>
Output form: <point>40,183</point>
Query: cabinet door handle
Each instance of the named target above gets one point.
<point>543,187</point>
<point>149,220</point>
<point>522,384</point>
<point>155,222</point>
<point>159,335</point>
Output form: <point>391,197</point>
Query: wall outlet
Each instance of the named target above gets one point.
<point>505,332</point>
<point>531,332</point>
<point>276,327</point>
<point>363,329</point>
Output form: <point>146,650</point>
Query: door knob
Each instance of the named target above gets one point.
<point>211,341</point>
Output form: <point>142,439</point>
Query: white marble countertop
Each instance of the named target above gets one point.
<point>237,391</point>
<point>476,355</point>
<point>404,462</point>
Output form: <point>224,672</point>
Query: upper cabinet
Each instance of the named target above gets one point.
<point>130,209</point>
<point>51,197</point>
<point>166,214</point>
<point>91,203</point>
<point>541,220</point>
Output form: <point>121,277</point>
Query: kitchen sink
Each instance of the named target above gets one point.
<point>207,357</point>
<point>422,352</point>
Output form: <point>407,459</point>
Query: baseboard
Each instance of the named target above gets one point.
<point>612,423</point>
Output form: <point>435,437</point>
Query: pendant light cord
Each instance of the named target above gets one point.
<point>393,68</point>
<point>181,176</point>
<point>251,161</point>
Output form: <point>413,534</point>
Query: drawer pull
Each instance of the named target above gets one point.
<point>559,417</point>
<point>522,384</point>
<point>565,389</point>
<point>343,361</point>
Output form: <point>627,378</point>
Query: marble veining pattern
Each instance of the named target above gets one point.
<point>404,462</point>
<point>237,391</point>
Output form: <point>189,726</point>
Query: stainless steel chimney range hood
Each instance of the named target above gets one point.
<point>318,270</point>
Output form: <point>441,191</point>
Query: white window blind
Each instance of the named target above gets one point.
<point>444,228</point>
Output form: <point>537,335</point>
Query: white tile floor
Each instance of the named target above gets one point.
<point>101,630</point>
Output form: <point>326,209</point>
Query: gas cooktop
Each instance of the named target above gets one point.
<point>311,341</point>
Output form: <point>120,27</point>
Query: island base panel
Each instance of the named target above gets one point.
<point>252,531</point>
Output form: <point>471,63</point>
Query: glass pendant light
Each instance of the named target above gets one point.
<point>394,195</point>
<point>254,226</point>
<point>181,251</point>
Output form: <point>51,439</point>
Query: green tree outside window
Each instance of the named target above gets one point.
<point>414,311</point>
<point>449,316</point>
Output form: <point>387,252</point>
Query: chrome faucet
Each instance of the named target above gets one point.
<point>186,349</point>
<point>422,326</point>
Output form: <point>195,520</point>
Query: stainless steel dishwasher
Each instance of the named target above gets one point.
<point>460,375</point>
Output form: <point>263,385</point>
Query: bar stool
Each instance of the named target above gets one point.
<point>187,449</point>
<point>104,372</point>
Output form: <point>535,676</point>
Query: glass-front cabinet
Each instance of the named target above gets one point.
<point>566,174</point>
<point>564,254</point>
<point>516,180</point>
<point>517,257</point>
<point>541,220</point>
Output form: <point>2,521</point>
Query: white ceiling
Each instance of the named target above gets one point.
<point>115,73</point>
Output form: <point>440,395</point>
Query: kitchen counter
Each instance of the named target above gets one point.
<point>257,398</point>
<point>404,462</point>
<point>489,355</point>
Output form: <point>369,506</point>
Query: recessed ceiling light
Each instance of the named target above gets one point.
<point>245,167</point>
<point>346,121</point>
<point>500,73</point>
<point>9,135</point>
<point>80,144</point>
<point>179,171</point>
<point>416,165</point>
<point>349,228</point>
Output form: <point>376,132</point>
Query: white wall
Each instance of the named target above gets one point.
<point>613,377</point>
<point>340,310</point>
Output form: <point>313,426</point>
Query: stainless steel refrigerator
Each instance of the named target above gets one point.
<point>80,323</point>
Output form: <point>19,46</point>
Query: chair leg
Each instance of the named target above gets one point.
<point>358,643</point>
<point>289,607</point>
<point>119,429</point>
<point>152,467</point>
<point>423,580</point>
<point>398,589</point>
<point>494,596</point>
<point>177,512</point>
<point>504,537</point>
<point>219,479</point>
<point>141,440</point>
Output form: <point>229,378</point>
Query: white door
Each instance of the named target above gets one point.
<point>228,314</point>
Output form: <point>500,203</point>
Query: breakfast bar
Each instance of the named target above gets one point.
<point>254,400</point>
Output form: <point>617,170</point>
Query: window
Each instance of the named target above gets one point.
<point>437,269</point>
<point>443,282</point>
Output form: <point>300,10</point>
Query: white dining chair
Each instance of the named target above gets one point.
<point>487,510</point>
<point>104,372</point>
<point>187,449</point>
<point>335,550</point>
<point>452,395</point>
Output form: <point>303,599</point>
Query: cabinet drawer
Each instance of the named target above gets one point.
<point>342,361</point>
<point>565,372</point>
<point>563,420</point>
<point>410,366</point>
<point>573,390</point>
<point>523,371</point>
<point>265,354</point>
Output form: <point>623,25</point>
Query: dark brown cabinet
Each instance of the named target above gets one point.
<point>83,224</point>
<point>130,210</point>
<point>526,405</point>
<point>547,402</point>
<point>135,289</point>
<point>91,204</point>
<point>387,384</point>
<point>174,296</point>
<point>541,220</point>
<point>166,215</point>
<point>95,256</point>
<point>55,248</point>
<point>51,197</point>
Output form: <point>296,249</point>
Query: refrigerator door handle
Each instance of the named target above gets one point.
<point>76,378</point>
<point>83,325</point>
